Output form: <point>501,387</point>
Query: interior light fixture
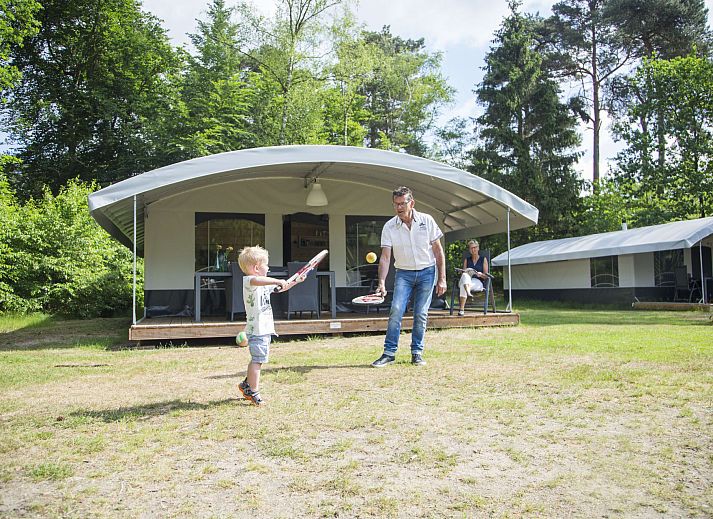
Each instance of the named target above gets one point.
<point>315,195</point>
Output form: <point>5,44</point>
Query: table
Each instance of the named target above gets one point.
<point>197,289</point>
<point>276,274</point>
<point>279,273</point>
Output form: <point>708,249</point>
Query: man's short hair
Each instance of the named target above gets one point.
<point>402,191</point>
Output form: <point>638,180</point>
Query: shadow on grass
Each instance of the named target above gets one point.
<point>293,369</point>
<point>51,333</point>
<point>148,410</point>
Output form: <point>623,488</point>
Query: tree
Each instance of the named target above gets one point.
<point>17,22</point>
<point>345,111</point>
<point>674,98</point>
<point>589,50</point>
<point>283,51</point>
<point>217,99</point>
<point>404,94</point>
<point>668,28</point>
<point>526,133</point>
<point>96,90</point>
<point>452,143</point>
<point>662,28</point>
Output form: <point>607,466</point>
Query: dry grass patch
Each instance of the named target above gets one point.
<point>606,415</point>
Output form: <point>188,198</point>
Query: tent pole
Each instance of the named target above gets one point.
<point>700,261</point>
<point>133,304</point>
<point>509,307</point>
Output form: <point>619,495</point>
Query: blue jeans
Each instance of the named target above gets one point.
<point>420,283</point>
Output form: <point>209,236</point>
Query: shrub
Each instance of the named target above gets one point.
<point>56,258</point>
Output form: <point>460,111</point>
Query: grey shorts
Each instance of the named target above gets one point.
<point>259,348</point>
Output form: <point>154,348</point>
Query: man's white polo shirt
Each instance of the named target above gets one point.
<point>411,248</point>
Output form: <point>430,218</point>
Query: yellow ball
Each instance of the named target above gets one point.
<point>371,257</point>
<point>241,339</point>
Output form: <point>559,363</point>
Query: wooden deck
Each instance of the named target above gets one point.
<point>668,305</point>
<point>165,328</point>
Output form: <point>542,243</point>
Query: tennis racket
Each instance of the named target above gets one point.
<point>311,265</point>
<point>369,299</point>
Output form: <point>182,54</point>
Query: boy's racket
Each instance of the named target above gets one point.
<point>311,265</point>
<point>369,299</point>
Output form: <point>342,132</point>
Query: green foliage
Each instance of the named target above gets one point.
<point>666,170</point>
<point>404,93</point>
<point>215,94</point>
<point>669,28</point>
<point>604,210</point>
<point>96,92</point>
<point>527,135</point>
<point>17,22</point>
<point>57,259</point>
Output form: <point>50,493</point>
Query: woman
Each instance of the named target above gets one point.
<point>475,267</point>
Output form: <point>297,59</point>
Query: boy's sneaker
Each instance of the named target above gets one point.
<point>254,397</point>
<point>417,360</point>
<point>244,388</point>
<point>382,361</point>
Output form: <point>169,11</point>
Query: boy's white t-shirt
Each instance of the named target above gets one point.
<point>257,308</point>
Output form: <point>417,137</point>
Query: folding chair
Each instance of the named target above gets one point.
<point>487,291</point>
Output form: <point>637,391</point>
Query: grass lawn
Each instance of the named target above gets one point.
<point>576,413</point>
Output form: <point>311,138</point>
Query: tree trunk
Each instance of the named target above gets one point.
<point>596,115</point>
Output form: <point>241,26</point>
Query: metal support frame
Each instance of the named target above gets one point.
<point>703,281</point>
<point>509,306</point>
<point>133,303</point>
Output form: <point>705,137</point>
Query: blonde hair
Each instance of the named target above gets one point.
<point>473,242</point>
<point>250,256</point>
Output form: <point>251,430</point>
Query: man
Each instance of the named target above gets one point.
<point>414,240</point>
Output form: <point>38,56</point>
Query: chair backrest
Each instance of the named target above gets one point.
<point>234,290</point>
<point>681,275</point>
<point>303,297</point>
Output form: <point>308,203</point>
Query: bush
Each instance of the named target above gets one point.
<point>56,258</point>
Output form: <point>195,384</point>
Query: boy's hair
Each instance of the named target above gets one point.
<point>402,191</point>
<point>250,256</point>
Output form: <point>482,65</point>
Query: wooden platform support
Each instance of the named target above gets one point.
<point>668,305</point>
<point>169,328</point>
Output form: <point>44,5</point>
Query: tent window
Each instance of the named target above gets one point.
<point>220,236</point>
<point>665,263</point>
<point>604,271</point>
<point>363,237</point>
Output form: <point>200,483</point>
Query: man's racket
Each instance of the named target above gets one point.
<point>369,299</point>
<point>311,265</point>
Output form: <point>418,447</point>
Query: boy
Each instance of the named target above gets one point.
<point>260,327</point>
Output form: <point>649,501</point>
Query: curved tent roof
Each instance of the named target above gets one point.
<point>467,203</point>
<point>667,236</point>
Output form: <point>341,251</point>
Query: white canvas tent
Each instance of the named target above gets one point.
<point>155,211</point>
<point>565,264</point>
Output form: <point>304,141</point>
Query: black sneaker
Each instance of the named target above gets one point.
<point>382,361</point>
<point>417,360</point>
<point>244,388</point>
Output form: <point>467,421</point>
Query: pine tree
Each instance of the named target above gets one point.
<point>526,133</point>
